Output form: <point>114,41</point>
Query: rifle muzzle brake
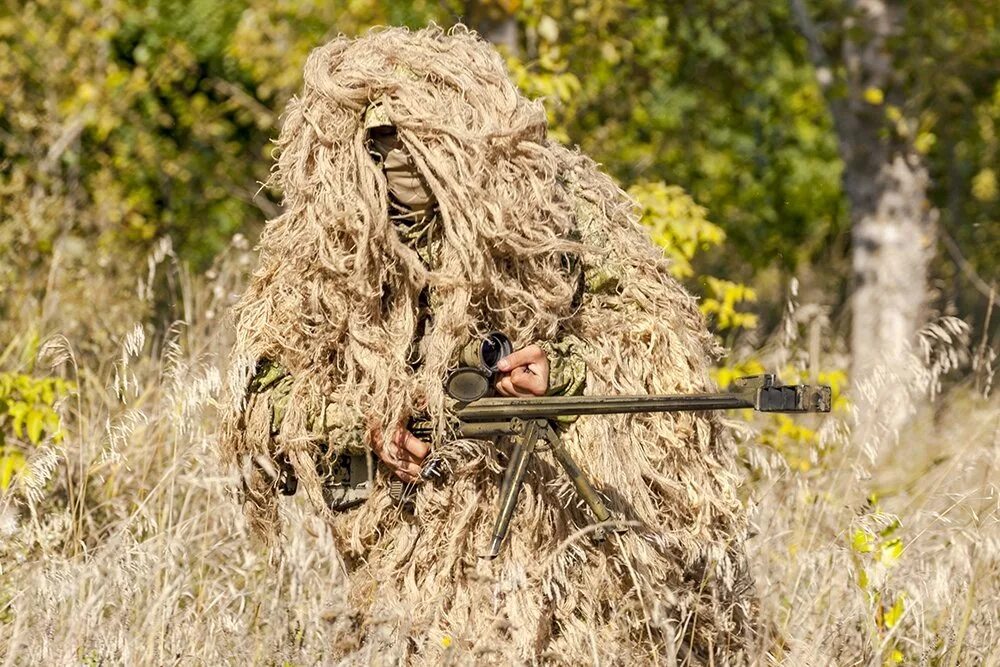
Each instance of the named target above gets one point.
<point>767,394</point>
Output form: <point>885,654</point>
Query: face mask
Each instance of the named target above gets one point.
<point>406,184</point>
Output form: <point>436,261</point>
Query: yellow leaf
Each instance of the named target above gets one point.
<point>11,461</point>
<point>34,424</point>
<point>17,411</point>
<point>863,542</point>
<point>924,142</point>
<point>874,96</point>
<point>890,552</point>
<point>893,614</point>
<point>86,92</point>
<point>984,185</point>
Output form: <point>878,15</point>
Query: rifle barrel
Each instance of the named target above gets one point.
<point>550,407</point>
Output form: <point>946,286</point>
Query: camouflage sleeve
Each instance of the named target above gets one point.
<point>567,370</point>
<point>275,383</point>
<point>343,434</point>
<point>601,274</point>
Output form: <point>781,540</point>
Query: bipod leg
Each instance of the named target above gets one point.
<point>524,447</point>
<point>584,488</point>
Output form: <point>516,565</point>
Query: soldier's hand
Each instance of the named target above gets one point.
<point>404,455</point>
<point>523,373</point>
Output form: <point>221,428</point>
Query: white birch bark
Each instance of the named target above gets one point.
<point>892,224</point>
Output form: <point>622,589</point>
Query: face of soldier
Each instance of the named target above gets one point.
<point>407,186</point>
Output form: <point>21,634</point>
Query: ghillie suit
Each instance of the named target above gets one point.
<point>522,223</point>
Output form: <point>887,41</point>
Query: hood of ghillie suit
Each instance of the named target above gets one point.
<point>336,298</point>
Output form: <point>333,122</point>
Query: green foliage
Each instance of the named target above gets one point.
<point>714,97</point>
<point>721,99</point>
<point>936,98</point>
<point>682,228</point>
<point>124,122</point>
<point>28,417</point>
<point>950,93</point>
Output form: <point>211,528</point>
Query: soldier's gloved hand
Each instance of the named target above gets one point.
<point>404,455</point>
<point>523,373</point>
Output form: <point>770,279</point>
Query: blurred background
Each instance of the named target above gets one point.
<point>125,124</point>
<point>824,174</point>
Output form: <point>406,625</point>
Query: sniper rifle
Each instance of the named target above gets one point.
<point>532,423</point>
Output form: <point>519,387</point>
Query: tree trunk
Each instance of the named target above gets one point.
<point>886,185</point>
<point>495,22</point>
<point>890,237</point>
<point>892,224</point>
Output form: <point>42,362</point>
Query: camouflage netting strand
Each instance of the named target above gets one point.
<point>335,300</point>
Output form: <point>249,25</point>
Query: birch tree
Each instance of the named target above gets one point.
<point>885,179</point>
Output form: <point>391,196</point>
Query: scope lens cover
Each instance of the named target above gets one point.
<point>467,384</point>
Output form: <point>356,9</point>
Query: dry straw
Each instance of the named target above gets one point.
<point>335,299</point>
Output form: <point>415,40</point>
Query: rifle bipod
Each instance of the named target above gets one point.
<point>526,435</point>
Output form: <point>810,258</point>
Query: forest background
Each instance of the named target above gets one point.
<point>823,174</point>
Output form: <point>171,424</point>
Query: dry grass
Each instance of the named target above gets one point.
<point>122,545</point>
<point>829,580</point>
